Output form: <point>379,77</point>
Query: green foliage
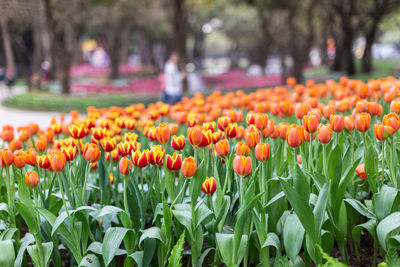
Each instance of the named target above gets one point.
<point>175,259</point>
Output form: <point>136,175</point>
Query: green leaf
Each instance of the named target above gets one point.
<point>335,166</point>
<point>369,226</point>
<point>386,226</point>
<point>183,214</point>
<point>25,242</point>
<point>300,183</point>
<point>124,217</point>
<point>33,251</point>
<point>176,253</point>
<point>383,201</point>
<point>358,206</point>
<point>7,255</point>
<point>137,257</point>
<point>320,207</point>
<point>149,249</point>
<point>153,232</point>
<point>29,215</point>
<point>301,208</point>
<point>112,240</point>
<point>90,260</point>
<point>293,234</point>
<point>225,246</point>
<point>202,213</point>
<point>272,241</point>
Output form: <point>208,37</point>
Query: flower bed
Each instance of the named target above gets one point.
<point>285,176</point>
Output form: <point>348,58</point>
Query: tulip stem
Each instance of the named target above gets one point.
<point>393,170</point>
<point>226,178</point>
<point>383,161</point>
<point>10,196</point>
<point>126,194</point>
<point>310,158</point>
<point>180,192</point>
<point>324,164</point>
<point>85,183</point>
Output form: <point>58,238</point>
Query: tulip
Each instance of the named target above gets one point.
<point>209,186</point>
<point>262,151</point>
<point>300,110</point>
<point>210,126</point>
<point>111,177</point>
<point>261,121</point>
<point>337,123</point>
<point>56,128</point>
<point>174,162</point>
<point>242,165</point>
<point>251,118</point>
<point>151,134</point>
<point>392,120</point>
<point>373,108</point>
<point>363,121</point>
<point>163,133</point>
<point>98,133</point>
<point>299,160</point>
<point>43,162</point>
<point>282,130</point>
<point>30,157</point>
<point>222,147</point>
<point>242,149</point>
<point>294,135</point>
<point>324,133</point>
<point>113,155</point>
<point>360,170</point>
<point>18,159</point>
<point>349,123</point>
<point>178,142</point>
<point>91,152</point>
<point>223,122</point>
<point>125,148</point>
<point>188,167</point>
<point>93,166</point>
<point>124,165</point>
<point>215,137</point>
<point>239,132</point>
<point>57,161</point>
<point>291,81</point>
<point>252,137</point>
<point>194,135</point>
<point>310,122</point>
<point>394,106</point>
<point>141,159</point>
<point>6,157</point>
<point>130,124</point>
<point>231,130</point>
<point>383,131</point>
<point>7,135</point>
<point>31,178</point>
<point>69,152</point>
<point>157,155</point>
<point>77,131</point>
<point>108,144</point>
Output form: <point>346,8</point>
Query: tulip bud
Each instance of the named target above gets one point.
<point>32,178</point>
<point>383,131</point>
<point>209,186</point>
<point>6,157</point>
<point>163,133</point>
<point>252,137</point>
<point>349,123</point>
<point>188,167</point>
<point>40,144</point>
<point>363,122</point>
<point>141,159</point>
<point>283,128</point>
<point>360,170</point>
<point>242,165</point>
<point>174,162</point>
<point>57,161</point>
<point>222,147</point>
<point>324,133</point>
<point>124,165</point>
<point>18,160</point>
<point>91,152</point>
<point>392,120</point>
<point>242,149</point>
<point>262,151</point>
<point>294,135</point>
<point>310,122</point>
<point>261,121</point>
<point>337,123</point>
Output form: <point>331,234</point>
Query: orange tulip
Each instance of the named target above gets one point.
<point>210,126</point>
<point>310,122</point>
<point>349,123</point>
<point>291,81</point>
<point>215,137</point>
<point>242,149</point>
<point>174,162</point>
<point>108,144</point>
<point>337,123</point>
<point>267,132</point>
<point>178,142</point>
<point>205,138</point>
<point>6,157</point>
<point>78,131</point>
<point>157,155</point>
<point>283,128</point>
<point>30,157</point>
<point>251,118</point>
<point>69,152</point>
<point>194,135</point>
<point>209,186</point>
<point>18,159</point>
<point>141,159</point>
<point>373,108</point>
<point>262,151</point>
<point>222,147</point>
<point>31,178</point>
<point>163,133</point>
<point>223,122</point>
<point>57,161</point>
<point>294,135</point>
<point>392,120</point>
<point>300,110</point>
<point>7,135</point>
<point>125,148</point>
<point>360,170</point>
<point>252,137</point>
<point>231,130</point>
<point>40,144</point>
<point>362,122</point>
<point>124,165</point>
<point>242,165</point>
<point>324,133</point>
<point>383,131</point>
<point>394,106</point>
<point>56,128</point>
<point>43,162</point>
<point>188,167</point>
<point>99,133</point>
<point>261,121</point>
<point>239,132</point>
<point>91,152</point>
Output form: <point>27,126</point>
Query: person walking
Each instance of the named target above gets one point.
<point>173,79</point>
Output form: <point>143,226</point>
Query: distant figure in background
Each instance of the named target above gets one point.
<point>173,80</point>
<point>10,79</point>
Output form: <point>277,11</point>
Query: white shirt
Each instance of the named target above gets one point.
<point>173,79</point>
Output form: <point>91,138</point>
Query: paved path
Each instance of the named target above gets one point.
<point>22,117</point>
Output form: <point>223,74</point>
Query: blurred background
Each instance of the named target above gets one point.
<point>69,54</point>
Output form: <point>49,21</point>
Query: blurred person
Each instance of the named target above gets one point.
<point>173,79</point>
<point>10,79</point>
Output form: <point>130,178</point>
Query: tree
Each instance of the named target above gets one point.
<point>8,51</point>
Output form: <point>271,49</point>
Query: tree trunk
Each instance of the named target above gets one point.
<point>10,61</point>
<point>125,43</point>
<point>366,62</point>
<point>337,62</point>
<point>179,29</point>
<point>282,59</point>
<point>198,48</point>
<point>348,54</point>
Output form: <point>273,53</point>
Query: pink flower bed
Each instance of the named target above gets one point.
<point>89,70</point>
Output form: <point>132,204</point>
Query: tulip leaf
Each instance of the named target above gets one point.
<point>300,182</point>
<point>293,235</point>
<point>225,247</point>
<point>371,166</point>
<point>369,226</point>
<point>124,217</point>
<point>383,201</point>
<point>320,207</point>
<point>335,166</point>
<point>301,208</point>
<point>275,199</point>
<point>136,257</point>
<point>33,251</point>
<point>152,232</point>
<point>175,259</point>
<point>112,240</point>
<point>8,233</point>
<point>24,243</point>
<point>358,206</point>
<point>387,226</point>
<point>90,260</point>
<point>7,255</point>
<point>29,215</point>
<point>202,213</point>
<point>272,241</point>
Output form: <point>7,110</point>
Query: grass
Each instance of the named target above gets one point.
<point>43,101</point>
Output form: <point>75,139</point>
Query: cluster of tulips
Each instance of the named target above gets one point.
<point>283,176</point>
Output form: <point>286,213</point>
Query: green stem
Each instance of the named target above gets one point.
<point>324,163</point>
<point>226,178</point>
<point>37,235</point>
<point>85,184</point>
<point>10,195</point>
<point>180,192</point>
<point>126,194</point>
